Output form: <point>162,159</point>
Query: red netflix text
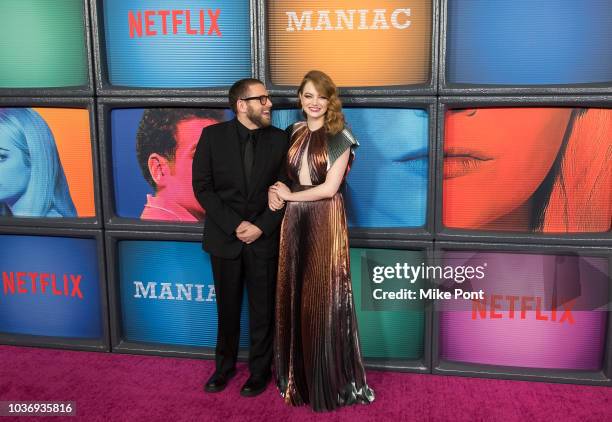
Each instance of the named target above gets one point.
<point>42,283</point>
<point>150,23</point>
<point>515,307</point>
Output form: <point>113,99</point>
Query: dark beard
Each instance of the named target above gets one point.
<point>257,119</point>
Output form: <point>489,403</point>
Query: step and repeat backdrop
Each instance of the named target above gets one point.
<point>479,205</point>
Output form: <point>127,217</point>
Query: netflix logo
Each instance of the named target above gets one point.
<point>150,23</point>
<point>521,307</point>
<point>42,284</point>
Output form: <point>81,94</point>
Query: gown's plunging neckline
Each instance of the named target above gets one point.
<point>304,165</point>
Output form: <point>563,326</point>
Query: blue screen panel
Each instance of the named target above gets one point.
<point>50,287</point>
<point>130,185</point>
<point>526,42</point>
<point>387,183</point>
<point>131,188</point>
<point>178,43</point>
<point>167,294</point>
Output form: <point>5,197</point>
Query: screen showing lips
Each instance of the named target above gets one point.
<point>527,169</point>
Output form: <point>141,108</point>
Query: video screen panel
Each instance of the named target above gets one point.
<point>43,44</point>
<point>387,185</point>
<point>50,287</point>
<point>167,294</point>
<point>528,169</point>
<point>536,311</point>
<point>152,152</point>
<point>362,44</point>
<point>177,43</point>
<point>46,164</point>
<point>389,329</point>
<point>529,43</point>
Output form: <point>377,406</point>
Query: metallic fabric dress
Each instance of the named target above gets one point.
<point>316,350</point>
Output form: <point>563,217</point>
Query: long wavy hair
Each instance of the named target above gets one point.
<point>47,193</point>
<point>576,195</point>
<point>334,118</point>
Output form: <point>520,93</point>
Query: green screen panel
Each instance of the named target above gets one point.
<point>42,44</point>
<point>389,329</point>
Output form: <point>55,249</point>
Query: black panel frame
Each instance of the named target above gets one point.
<point>446,88</point>
<point>105,106</point>
<point>430,88</point>
<point>443,233</point>
<point>443,367</point>
<point>429,104</point>
<point>120,345</point>
<point>105,88</point>
<point>59,222</point>
<point>422,365</point>
<point>95,345</point>
<point>83,91</point>
<point>118,342</point>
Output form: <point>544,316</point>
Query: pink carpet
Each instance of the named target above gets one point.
<point>115,387</point>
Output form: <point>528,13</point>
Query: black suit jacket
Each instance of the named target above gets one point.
<point>219,186</point>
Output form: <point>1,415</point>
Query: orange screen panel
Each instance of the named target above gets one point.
<point>528,169</point>
<point>360,43</point>
<point>72,133</point>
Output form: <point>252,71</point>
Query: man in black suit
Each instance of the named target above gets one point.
<point>234,164</point>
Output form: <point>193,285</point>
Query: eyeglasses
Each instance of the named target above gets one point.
<point>263,99</point>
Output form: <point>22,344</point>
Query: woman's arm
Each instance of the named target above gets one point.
<point>323,191</point>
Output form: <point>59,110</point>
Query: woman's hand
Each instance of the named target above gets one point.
<point>274,202</point>
<point>280,189</point>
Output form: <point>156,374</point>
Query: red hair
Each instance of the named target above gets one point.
<point>581,197</point>
<point>334,119</point>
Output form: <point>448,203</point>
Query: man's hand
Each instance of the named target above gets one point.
<point>242,226</point>
<point>248,232</point>
<point>274,202</point>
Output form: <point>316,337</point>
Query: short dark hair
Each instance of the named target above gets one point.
<point>240,89</point>
<point>157,133</point>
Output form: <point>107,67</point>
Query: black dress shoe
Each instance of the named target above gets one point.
<point>254,386</point>
<point>218,381</point>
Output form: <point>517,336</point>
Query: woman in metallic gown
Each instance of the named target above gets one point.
<point>316,354</point>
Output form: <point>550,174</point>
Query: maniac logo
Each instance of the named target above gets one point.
<point>149,23</point>
<point>350,19</point>
<point>174,291</point>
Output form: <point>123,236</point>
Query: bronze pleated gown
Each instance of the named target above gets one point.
<point>316,351</point>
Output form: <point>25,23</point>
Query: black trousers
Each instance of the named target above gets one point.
<point>260,277</point>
